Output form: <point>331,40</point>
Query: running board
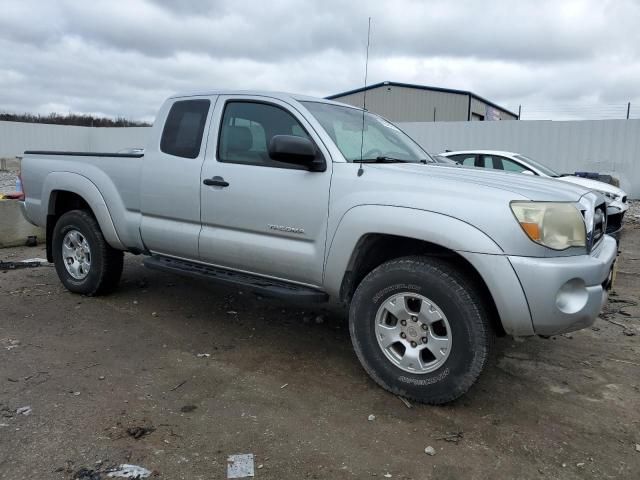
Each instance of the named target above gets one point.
<point>265,286</point>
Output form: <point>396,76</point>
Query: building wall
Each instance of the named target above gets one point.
<point>605,146</point>
<point>402,104</point>
<point>16,137</point>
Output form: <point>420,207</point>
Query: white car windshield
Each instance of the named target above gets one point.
<point>381,140</point>
<point>538,166</point>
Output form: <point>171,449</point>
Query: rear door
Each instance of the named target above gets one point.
<point>271,217</point>
<point>170,184</point>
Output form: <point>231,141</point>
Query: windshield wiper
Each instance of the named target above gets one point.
<point>381,159</point>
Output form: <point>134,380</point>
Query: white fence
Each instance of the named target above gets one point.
<point>16,137</point>
<point>604,146</point>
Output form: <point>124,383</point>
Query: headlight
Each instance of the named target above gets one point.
<point>554,225</point>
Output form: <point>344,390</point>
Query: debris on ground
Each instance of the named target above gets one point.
<point>129,471</point>
<point>13,344</point>
<point>453,437</point>
<point>188,408</point>
<point>87,474</point>
<point>319,319</point>
<point>24,410</point>
<point>406,402</point>
<point>203,355</point>
<point>430,450</point>
<point>232,312</point>
<point>284,386</point>
<point>18,265</point>
<point>177,386</point>
<point>371,417</point>
<point>35,260</point>
<point>637,447</point>
<point>139,432</point>
<point>240,465</point>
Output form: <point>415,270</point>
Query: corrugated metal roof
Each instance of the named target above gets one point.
<point>421,87</point>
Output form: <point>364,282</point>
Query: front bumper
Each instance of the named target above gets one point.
<point>566,293</point>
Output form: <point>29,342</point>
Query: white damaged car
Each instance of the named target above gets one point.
<point>615,197</point>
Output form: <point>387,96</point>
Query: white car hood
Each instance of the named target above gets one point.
<point>600,187</point>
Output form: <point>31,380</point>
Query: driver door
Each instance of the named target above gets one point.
<point>262,216</point>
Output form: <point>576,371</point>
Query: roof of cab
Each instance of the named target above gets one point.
<point>261,93</point>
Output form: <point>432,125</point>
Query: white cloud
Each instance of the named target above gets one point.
<point>123,58</point>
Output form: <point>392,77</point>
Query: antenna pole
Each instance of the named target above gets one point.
<point>364,97</point>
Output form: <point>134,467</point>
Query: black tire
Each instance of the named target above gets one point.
<point>471,333</point>
<point>106,262</point>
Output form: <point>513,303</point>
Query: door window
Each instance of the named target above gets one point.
<point>465,159</point>
<point>248,127</point>
<point>183,129</point>
<point>511,166</point>
<point>489,161</point>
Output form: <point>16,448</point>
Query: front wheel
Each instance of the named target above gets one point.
<point>419,329</point>
<point>84,261</point>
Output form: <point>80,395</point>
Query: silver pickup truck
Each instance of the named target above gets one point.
<point>317,201</point>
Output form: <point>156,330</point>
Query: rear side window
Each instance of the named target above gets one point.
<point>465,159</point>
<point>182,134</point>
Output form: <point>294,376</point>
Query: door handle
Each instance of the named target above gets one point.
<point>215,182</point>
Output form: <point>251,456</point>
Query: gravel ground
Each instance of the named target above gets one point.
<point>175,375</point>
<point>633,214</point>
<point>8,178</point>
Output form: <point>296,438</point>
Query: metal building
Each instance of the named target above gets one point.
<point>402,102</point>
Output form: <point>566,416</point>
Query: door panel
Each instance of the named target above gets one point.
<point>170,184</point>
<point>271,219</point>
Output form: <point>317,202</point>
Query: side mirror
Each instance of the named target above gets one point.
<point>296,150</point>
<point>528,172</point>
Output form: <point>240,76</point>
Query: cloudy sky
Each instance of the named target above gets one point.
<point>558,59</point>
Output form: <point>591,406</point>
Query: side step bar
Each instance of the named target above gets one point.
<point>264,286</point>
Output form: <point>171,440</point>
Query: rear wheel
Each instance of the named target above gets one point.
<point>84,261</point>
<point>420,330</point>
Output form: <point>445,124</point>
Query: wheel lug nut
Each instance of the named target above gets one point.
<point>403,323</point>
<point>414,318</point>
<point>424,339</point>
<point>413,344</point>
<point>424,327</point>
<point>403,335</point>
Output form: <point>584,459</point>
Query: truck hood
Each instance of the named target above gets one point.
<point>530,187</point>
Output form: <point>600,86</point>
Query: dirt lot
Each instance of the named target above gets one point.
<point>284,384</point>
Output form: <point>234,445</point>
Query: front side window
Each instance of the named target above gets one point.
<point>183,129</point>
<point>247,129</point>
<point>378,138</point>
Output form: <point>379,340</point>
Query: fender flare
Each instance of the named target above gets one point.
<point>439,229</point>
<point>87,190</point>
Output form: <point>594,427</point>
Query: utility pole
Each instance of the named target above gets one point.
<point>519,111</point>
<point>628,109</point>
<point>434,114</point>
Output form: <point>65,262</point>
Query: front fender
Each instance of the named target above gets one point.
<point>436,228</point>
<point>82,186</point>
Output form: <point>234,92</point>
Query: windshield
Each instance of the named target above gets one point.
<point>380,138</point>
<point>538,166</point>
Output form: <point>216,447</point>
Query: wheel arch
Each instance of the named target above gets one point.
<point>356,250</point>
<point>70,192</point>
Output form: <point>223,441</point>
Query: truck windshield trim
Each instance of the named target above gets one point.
<point>379,139</point>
